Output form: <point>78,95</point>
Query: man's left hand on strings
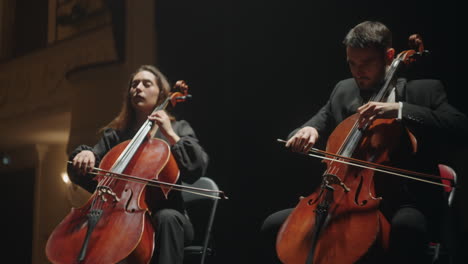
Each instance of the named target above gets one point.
<point>373,110</point>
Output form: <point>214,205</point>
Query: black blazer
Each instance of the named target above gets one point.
<point>425,106</point>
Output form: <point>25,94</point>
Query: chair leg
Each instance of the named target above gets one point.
<point>434,251</point>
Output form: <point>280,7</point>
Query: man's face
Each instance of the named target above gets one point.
<point>368,65</point>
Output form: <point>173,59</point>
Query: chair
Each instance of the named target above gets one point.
<point>201,211</point>
<point>440,253</point>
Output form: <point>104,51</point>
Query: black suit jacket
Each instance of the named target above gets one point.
<point>425,107</point>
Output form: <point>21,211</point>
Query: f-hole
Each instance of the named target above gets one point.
<point>358,191</point>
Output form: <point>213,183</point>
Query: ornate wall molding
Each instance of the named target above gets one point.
<point>37,81</point>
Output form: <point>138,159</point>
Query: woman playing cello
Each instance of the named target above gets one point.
<point>421,105</point>
<point>148,88</point>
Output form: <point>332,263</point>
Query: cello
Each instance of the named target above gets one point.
<point>114,225</point>
<point>341,221</point>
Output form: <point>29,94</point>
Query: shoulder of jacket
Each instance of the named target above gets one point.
<point>344,85</point>
<point>423,82</point>
<point>346,82</point>
<point>180,124</point>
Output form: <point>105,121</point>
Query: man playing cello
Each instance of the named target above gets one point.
<point>421,105</point>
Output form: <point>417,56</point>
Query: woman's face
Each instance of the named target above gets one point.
<point>144,92</point>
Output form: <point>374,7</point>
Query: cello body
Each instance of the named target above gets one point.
<point>114,225</point>
<point>341,221</point>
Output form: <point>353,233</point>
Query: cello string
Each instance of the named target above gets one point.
<point>347,138</point>
<point>353,136</point>
<point>120,164</point>
<point>96,203</point>
<point>124,158</point>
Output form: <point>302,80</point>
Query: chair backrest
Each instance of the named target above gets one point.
<point>201,210</point>
<point>450,179</point>
<point>445,249</point>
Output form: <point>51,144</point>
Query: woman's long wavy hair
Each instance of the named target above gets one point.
<point>125,120</point>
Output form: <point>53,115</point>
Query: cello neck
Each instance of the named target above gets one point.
<point>126,155</point>
<point>354,136</point>
<point>388,81</point>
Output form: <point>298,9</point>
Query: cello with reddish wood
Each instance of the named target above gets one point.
<point>114,224</point>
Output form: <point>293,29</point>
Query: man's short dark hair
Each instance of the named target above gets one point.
<point>369,34</point>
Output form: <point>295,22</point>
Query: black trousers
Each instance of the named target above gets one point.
<point>173,232</point>
<point>408,237</point>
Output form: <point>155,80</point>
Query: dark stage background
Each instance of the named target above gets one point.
<point>259,69</point>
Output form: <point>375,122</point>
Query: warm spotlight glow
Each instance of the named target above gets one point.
<point>65,178</point>
<point>6,159</point>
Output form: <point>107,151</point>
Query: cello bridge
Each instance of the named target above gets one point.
<point>330,179</point>
<point>103,190</point>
